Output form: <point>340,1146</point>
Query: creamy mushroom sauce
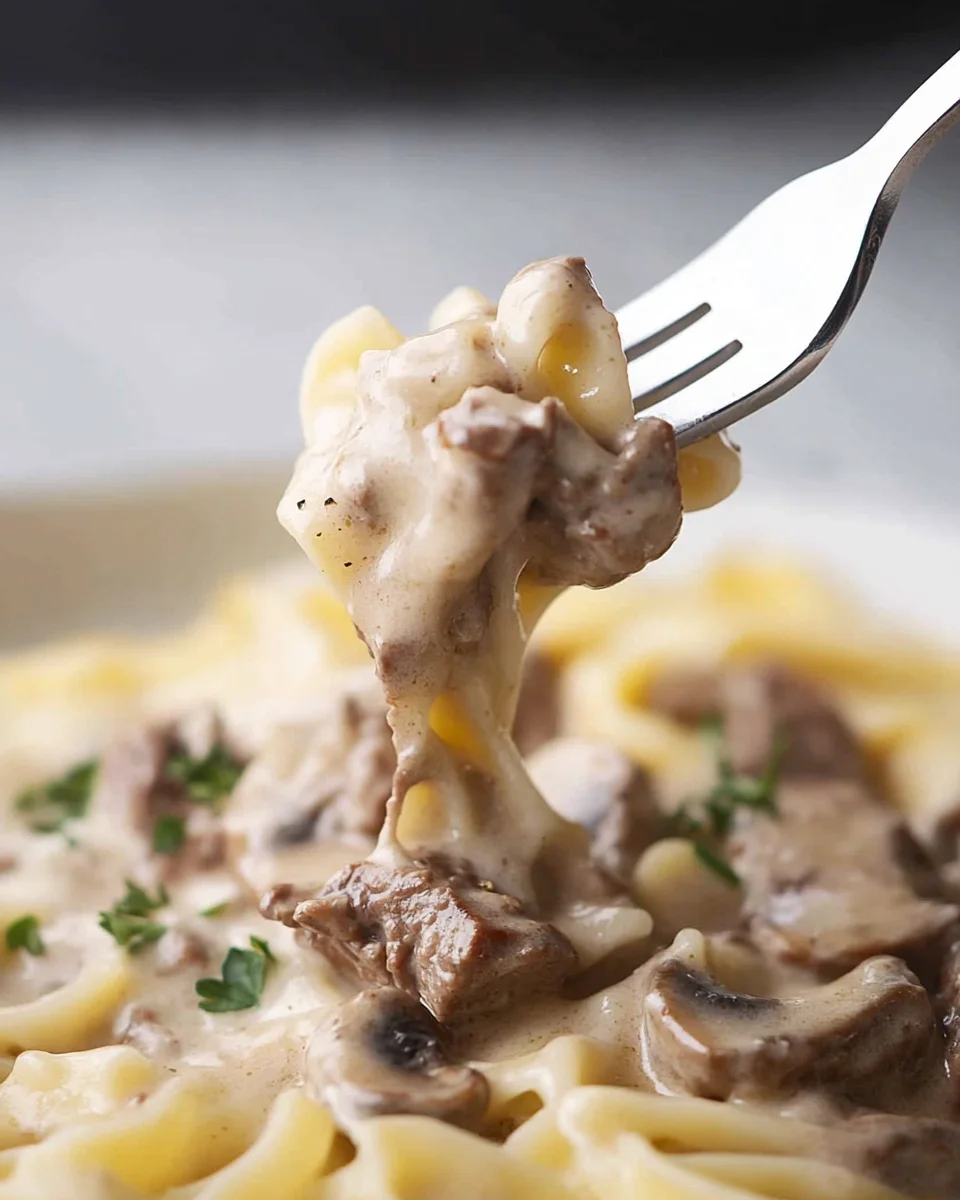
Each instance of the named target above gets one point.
<point>453,485</point>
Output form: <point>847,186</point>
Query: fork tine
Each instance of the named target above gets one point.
<point>668,308</point>
<point>680,360</point>
<point>712,393</point>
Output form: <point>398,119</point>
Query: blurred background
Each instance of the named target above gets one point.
<point>190,191</point>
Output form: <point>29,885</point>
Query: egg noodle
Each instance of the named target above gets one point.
<point>117,1085</point>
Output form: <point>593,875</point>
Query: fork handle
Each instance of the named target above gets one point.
<point>901,144</point>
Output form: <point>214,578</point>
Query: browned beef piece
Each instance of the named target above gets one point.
<point>835,876</point>
<point>538,706</point>
<point>594,515</point>
<point>600,515</point>
<point>916,1156</point>
<point>949,1000</point>
<point>179,949</point>
<point>597,786</point>
<point>139,1025</point>
<point>343,775</point>
<point>139,783</point>
<point>870,1037</point>
<point>828,881</point>
<point>687,695</point>
<point>762,707</point>
<point>460,947</point>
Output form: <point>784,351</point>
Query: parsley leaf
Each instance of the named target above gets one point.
<point>215,910</point>
<point>136,933</point>
<point>24,934</point>
<point>138,902</point>
<point>731,791</point>
<point>128,922</point>
<point>261,945</point>
<point>717,863</point>
<point>244,973</point>
<point>169,832</point>
<point>207,780</point>
<point>50,805</point>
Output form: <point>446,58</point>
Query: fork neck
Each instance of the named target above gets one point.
<point>903,142</point>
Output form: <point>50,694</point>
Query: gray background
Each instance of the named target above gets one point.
<point>163,277</point>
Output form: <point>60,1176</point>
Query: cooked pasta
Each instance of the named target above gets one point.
<point>186,1008</point>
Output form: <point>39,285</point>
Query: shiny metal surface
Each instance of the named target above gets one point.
<point>750,317</point>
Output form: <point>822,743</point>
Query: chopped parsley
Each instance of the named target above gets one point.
<point>24,934</point>
<point>263,947</point>
<point>49,806</point>
<point>215,910</point>
<point>717,812</point>
<point>129,922</point>
<point>716,863</point>
<point>243,975</point>
<point>169,833</point>
<point>207,780</point>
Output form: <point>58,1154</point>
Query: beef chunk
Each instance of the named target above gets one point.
<point>598,516</point>
<point>764,709</point>
<point>328,776</point>
<point>687,695</point>
<point>916,1156</point>
<point>827,881</point>
<point>833,876</point>
<point>460,947</point>
<point>139,1026</point>
<point>870,1032</point>
<point>184,771</point>
<point>595,785</point>
<point>770,705</point>
<point>179,949</point>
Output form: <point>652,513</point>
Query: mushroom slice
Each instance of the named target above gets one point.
<point>851,1037</point>
<point>384,1053</point>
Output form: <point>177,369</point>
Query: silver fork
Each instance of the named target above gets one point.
<point>750,317</point>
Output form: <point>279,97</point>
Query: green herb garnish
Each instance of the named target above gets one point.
<point>50,805</point>
<point>215,910</point>
<point>169,833</point>
<point>24,934</point>
<point>244,973</point>
<point>207,780</point>
<point>730,792</point>
<point>128,922</point>
<point>264,949</point>
<point>135,933</point>
<point>717,863</point>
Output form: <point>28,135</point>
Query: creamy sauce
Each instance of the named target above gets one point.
<point>421,505</point>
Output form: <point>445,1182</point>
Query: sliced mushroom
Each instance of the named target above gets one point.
<point>597,786</point>
<point>870,1030</point>
<point>384,1053</point>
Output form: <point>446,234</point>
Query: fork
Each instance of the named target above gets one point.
<point>750,317</point>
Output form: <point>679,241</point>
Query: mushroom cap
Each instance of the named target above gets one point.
<point>383,1053</point>
<point>851,1036</point>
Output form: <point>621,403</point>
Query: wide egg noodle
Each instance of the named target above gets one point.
<point>105,1123</point>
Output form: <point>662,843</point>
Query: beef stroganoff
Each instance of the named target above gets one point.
<point>478,867</point>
